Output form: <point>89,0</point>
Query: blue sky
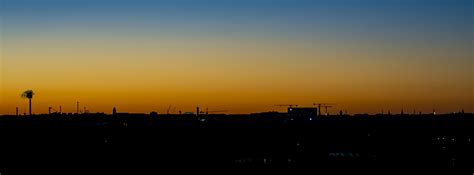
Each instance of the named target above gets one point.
<point>222,10</point>
<point>406,20</point>
<point>441,23</point>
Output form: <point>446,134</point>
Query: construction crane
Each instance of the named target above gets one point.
<point>51,108</point>
<point>325,105</point>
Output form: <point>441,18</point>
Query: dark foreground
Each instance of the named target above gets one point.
<point>142,144</point>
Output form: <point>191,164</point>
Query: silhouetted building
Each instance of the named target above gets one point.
<point>302,113</point>
<point>114,111</point>
<point>154,114</point>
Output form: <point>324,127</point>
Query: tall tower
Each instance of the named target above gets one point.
<point>114,111</point>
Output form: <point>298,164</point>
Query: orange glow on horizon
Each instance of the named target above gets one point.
<point>240,75</point>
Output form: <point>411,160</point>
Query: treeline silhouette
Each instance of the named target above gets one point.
<point>369,144</point>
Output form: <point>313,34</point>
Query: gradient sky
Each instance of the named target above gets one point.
<point>237,55</point>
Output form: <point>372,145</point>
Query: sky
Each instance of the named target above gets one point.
<point>241,56</point>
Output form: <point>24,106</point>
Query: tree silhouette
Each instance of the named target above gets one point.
<point>29,95</point>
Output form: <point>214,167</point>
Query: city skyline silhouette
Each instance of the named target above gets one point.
<point>28,94</point>
<point>288,86</point>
